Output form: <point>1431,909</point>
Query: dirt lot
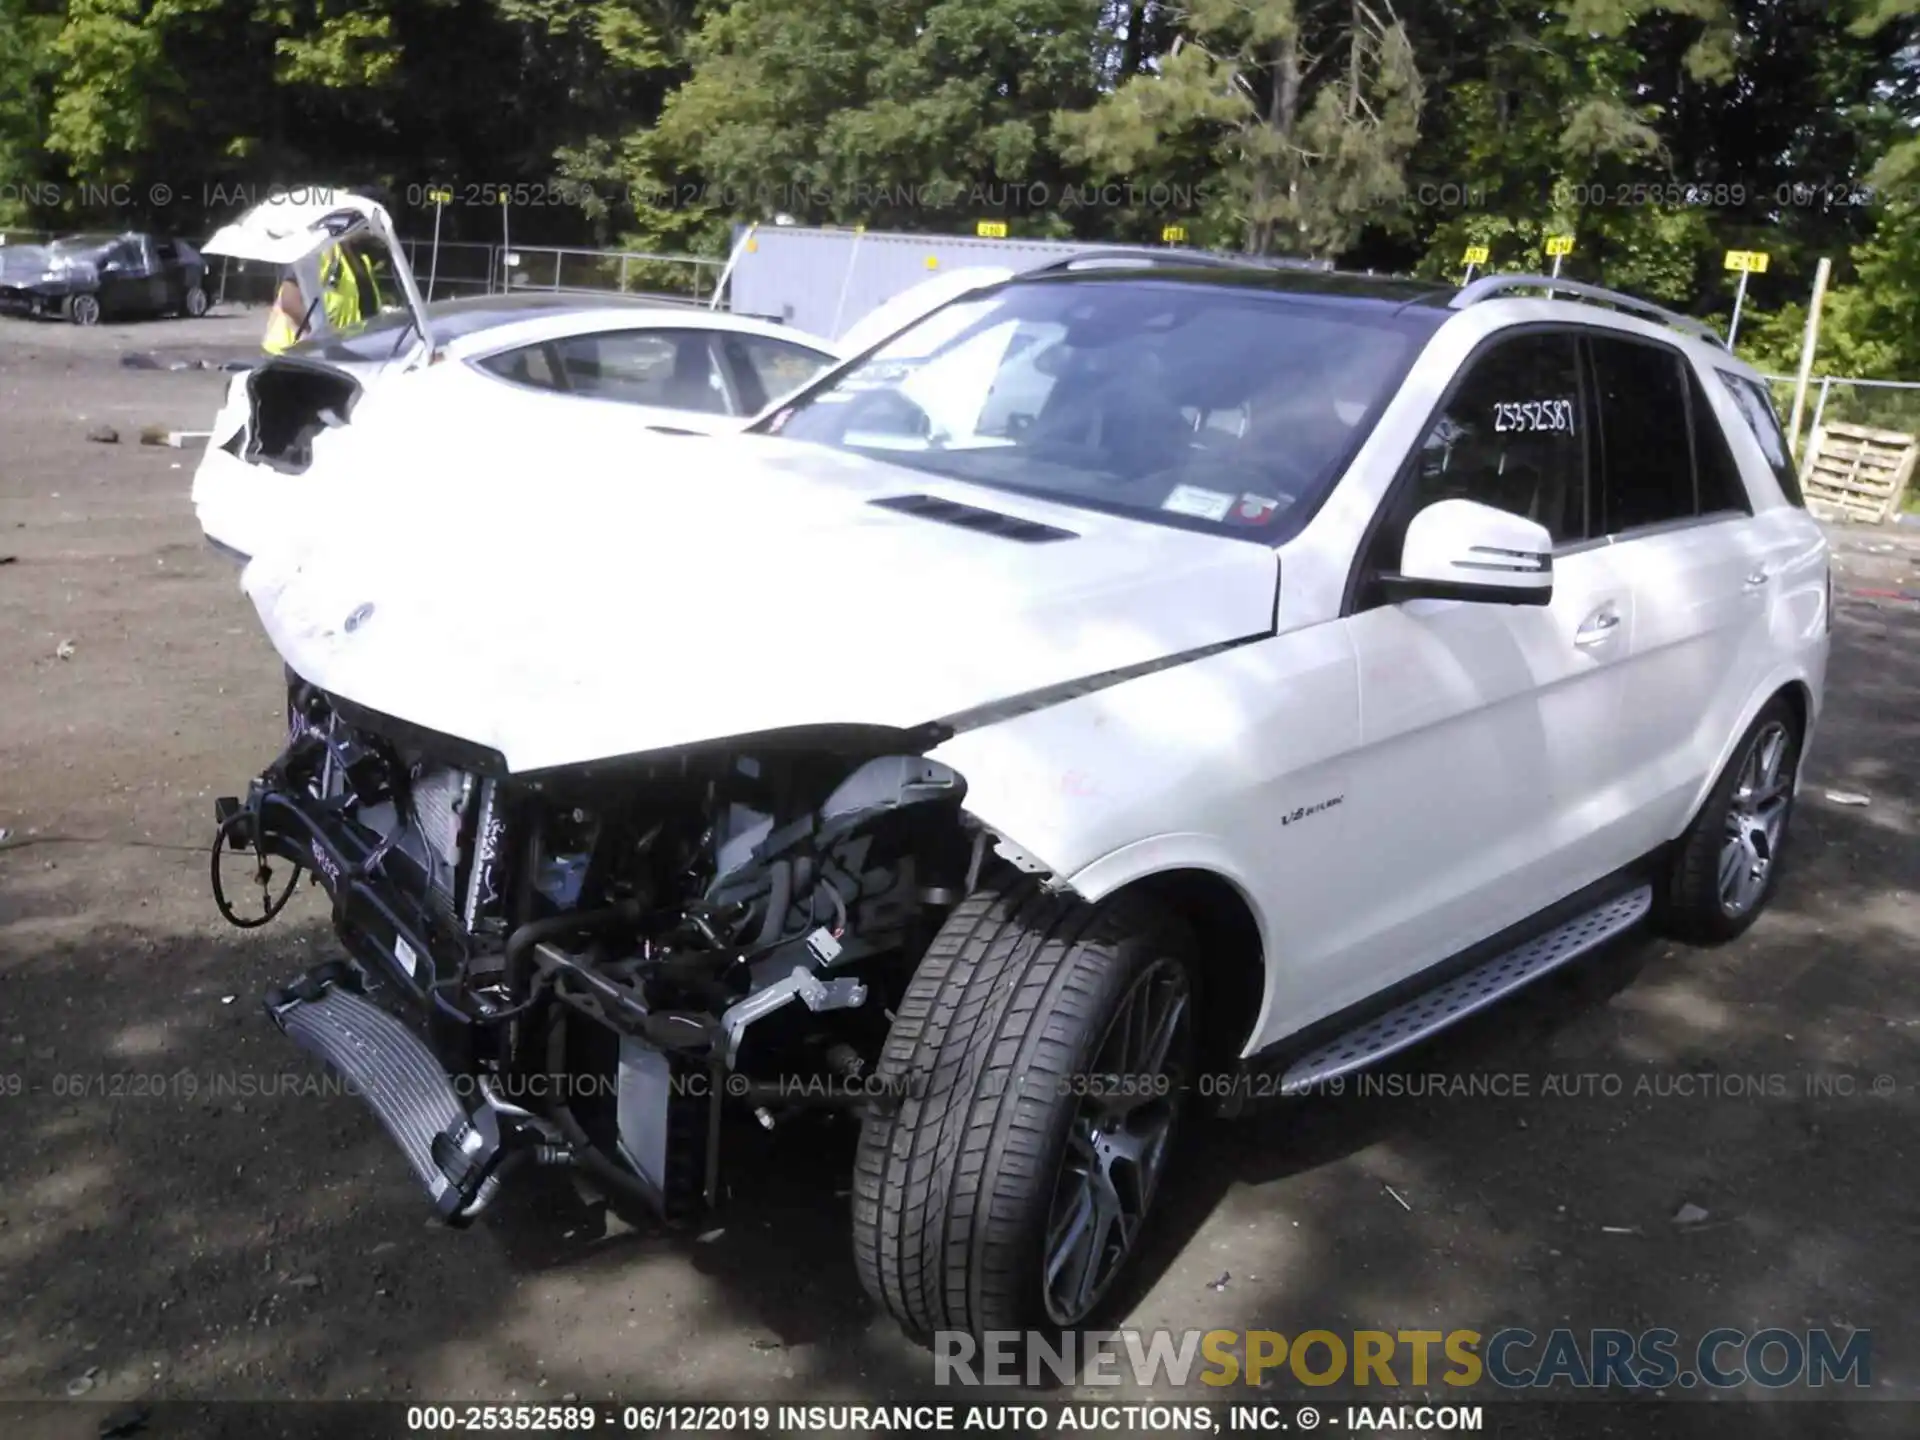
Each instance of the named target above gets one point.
<point>159,1240</point>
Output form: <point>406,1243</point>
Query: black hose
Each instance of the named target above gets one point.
<point>533,932</point>
<point>779,896</point>
<point>221,903</point>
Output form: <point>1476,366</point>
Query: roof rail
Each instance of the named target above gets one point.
<point>1124,259</point>
<point>1488,286</point>
<point>1120,258</point>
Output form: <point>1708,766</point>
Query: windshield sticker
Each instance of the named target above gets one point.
<point>1258,509</point>
<point>1550,417</point>
<point>1203,504</point>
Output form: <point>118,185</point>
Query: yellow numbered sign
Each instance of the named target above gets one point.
<point>440,197</point>
<point>1476,255</point>
<point>991,229</point>
<point>1559,245</point>
<point>1753,262</point>
<point>1174,234</point>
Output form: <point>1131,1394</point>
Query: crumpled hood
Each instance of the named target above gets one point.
<point>24,264</point>
<point>710,588</point>
<point>24,260</point>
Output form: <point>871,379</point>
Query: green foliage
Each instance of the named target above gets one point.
<point>27,32</point>
<point>1305,153</point>
<point>1385,133</point>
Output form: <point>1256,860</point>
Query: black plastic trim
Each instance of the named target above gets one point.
<point>974,517</point>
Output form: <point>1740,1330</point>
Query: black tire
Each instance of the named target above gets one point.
<point>994,1044</point>
<point>194,303</point>
<point>83,309</point>
<point>1694,903</point>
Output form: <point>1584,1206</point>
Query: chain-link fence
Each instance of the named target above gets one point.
<point>546,267</point>
<point>453,268</point>
<point>1891,405</point>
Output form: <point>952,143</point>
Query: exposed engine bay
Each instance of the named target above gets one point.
<point>589,964</point>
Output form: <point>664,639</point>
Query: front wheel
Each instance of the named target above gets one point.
<point>195,301</point>
<point>1728,862</point>
<point>1043,1049</point>
<point>83,309</point>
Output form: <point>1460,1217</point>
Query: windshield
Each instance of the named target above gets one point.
<point>79,244</point>
<point>1206,406</point>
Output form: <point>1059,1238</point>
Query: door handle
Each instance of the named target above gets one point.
<point>1598,627</point>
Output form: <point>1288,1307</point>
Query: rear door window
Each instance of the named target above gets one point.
<point>1646,450</point>
<point>1756,408</point>
<point>767,369</point>
<point>672,369</point>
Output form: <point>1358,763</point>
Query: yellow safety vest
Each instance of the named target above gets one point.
<point>339,292</point>
<point>280,332</point>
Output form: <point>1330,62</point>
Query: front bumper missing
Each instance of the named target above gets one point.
<point>456,1154</point>
<point>421,1080</point>
<point>384,932</point>
<point>457,1143</point>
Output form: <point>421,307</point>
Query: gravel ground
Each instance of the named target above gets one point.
<point>198,1225</point>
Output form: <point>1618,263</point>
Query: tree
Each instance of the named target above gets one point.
<point>922,115</point>
<point>1306,111</point>
<point>27,31</point>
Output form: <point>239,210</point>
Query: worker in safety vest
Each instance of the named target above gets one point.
<point>288,318</point>
<point>340,290</point>
<point>348,295</point>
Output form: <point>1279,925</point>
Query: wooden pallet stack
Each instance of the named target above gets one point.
<point>1856,473</point>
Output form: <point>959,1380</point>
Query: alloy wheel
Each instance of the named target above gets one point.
<point>84,310</point>
<point>1756,818</point>
<point>1117,1142</point>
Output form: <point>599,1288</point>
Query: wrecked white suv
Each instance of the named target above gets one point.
<point>1117,692</point>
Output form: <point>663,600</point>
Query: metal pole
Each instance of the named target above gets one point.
<point>1467,279</point>
<point>1819,407</point>
<point>1809,340</point>
<point>433,261</point>
<point>556,272</point>
<point>1556,266</point>
<point>506,253</point>
<point>853,259</point>
<point>1739,298</point>
<point>720,286</point>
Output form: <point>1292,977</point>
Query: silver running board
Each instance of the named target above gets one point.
<point>1434,1010</point>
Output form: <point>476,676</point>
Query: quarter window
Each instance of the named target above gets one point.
<point>1756,408</point>
<point>1513,436</point>
<point>1646,456</point>
<point>1721,488</point>
<point>529,365</point>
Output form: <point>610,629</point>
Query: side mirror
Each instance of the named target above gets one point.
<point>1463,550</point>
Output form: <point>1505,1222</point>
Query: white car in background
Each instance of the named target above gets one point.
<point>415,374</point>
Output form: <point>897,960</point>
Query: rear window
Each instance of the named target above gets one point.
<point>1756,406</point>
<point>1214,407</point>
